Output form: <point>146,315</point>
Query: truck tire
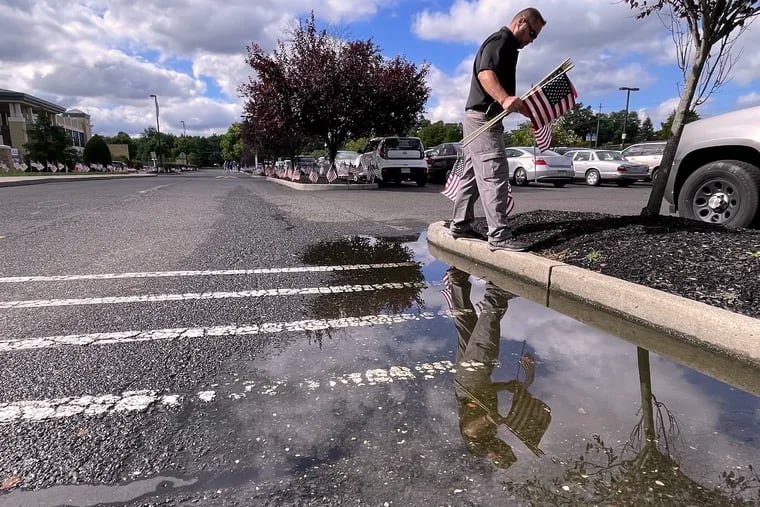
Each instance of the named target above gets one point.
<point>725,192</point>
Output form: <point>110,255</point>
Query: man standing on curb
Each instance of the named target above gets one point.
<point>492,90</point>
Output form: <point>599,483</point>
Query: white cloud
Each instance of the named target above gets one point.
<point>109,55</point>
<point>751,99</point>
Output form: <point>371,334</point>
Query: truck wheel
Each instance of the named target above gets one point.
<point>421,181</point>
<point>723,192</point>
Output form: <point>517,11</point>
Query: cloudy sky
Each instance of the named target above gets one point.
<point>106,57</point>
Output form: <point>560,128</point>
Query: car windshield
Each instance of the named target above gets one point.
<point>403,143</point>
<point>609,155</point>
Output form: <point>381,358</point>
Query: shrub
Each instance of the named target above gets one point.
<point>96,151</point>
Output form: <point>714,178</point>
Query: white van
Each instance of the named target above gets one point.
<point>646,153</point>
<point>394,159</point>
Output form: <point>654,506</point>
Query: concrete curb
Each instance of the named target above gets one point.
<point>310,187</point>
<point>649,317</point>
<point>15,181</point>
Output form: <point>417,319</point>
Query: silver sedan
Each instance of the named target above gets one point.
<point>596,166</point>
<point>527,164</point>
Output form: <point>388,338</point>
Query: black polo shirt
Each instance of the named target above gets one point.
<point>499,54</point>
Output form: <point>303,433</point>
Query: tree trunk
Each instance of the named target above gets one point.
<point>654,203</point>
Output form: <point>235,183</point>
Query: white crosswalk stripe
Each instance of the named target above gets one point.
<point>154,298</point>
<point>136,401</point>
<point>217,272</point>
<point>199,332</point>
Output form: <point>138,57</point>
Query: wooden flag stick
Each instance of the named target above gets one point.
<point>561,69</point>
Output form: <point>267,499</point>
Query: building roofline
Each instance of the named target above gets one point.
<point>12,96</point>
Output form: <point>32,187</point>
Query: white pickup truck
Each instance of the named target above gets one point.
<point>716,172</point>
<point>394,159</point>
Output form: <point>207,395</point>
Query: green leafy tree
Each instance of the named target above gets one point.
<point>231,143</point>
<point>561,135</point>
<point>646,133</point>
<point>186,145</point>
<point>580,121</point>
<point>356,144</point>
<point>704,33</point>
<point>124,138</point>
<point>96,151</point>
<point>667,125</point>
<point>433,134</point>
<point>48,142</point>
<point>521,136</point>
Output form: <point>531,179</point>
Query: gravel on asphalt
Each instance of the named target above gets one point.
<point>716,265</point>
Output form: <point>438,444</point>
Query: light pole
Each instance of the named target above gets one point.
<point>598,117</point>
<point>183,127</point>
<point>158,134</point>
<point>628,91</point>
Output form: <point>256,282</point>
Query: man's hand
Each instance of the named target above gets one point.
<point>513,105</point>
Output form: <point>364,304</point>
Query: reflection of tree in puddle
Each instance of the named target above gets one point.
<point>644,471</point>
<point>365,250</point>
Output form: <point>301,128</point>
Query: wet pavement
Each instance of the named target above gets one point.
<point>251,369</point>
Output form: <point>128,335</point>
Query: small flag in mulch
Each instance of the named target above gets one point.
<point>314,175</point>
<point>331,174</point>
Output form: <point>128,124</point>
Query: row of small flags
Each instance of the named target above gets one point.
<point>56,167</point>
<point>294,174</point>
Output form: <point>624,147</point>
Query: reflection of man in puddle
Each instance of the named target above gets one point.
<point>477,355</point>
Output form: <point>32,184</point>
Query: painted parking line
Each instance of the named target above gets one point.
<point>118,337</point>
<point>155,298</point>
<point>217,272</point>
<point>138,401</point>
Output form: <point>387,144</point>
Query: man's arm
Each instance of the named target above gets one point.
<point>491,85</point>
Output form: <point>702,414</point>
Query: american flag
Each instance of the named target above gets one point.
<point>544,136</point>
<point>446,292</point>
<point>314,175</point>
<point>331,174</point>
<point>454,182</point>
<point>550,101</point>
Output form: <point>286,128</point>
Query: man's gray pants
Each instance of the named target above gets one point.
<point>486,176</point>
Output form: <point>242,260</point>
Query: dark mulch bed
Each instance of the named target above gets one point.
<point>716,265</point>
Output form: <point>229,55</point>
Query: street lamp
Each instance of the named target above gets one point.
<point>183,127</point>
<point>628,91</point>
<point>598,117</point>
<point>158,133</point>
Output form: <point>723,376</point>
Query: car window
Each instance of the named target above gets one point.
<point>371,145</point>
<point>632,151</point>
<point>583,156</point>
<point>609,155</point>
<point>653,149</point>
<point>403,143</point>
<point>513,153</point>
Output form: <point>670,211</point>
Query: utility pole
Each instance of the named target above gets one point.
<point>158,134</point>
<point>628,91</point>
<point>183,127</point>
<point>598,117</point>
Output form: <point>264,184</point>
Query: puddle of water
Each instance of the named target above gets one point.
<point>486,397</point>
<point>85,495</point>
